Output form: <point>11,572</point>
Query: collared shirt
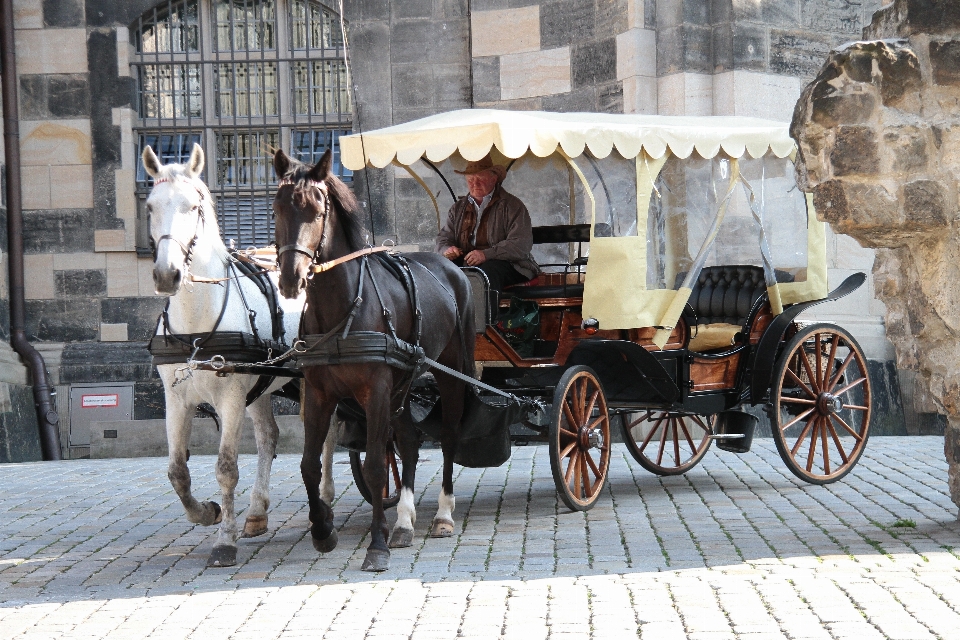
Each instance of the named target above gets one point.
<point>480,207</point>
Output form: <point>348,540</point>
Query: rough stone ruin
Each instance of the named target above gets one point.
<point>879,138</point>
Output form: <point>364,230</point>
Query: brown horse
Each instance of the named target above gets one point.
<point>316,222</point>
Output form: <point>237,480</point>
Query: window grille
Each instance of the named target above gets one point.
<point>239,77</point>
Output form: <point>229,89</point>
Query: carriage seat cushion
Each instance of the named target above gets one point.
<point>725,294</point>
<point>707,337</point>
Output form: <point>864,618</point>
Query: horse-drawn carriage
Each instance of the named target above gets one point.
<point>677,255</point>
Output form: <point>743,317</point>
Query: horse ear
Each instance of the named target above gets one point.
<point>195,163</point>
<point>150,161</point>
<point>281,163</point>
<point>321,170</point>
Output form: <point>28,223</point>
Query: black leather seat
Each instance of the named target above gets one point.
<point>727,293</point>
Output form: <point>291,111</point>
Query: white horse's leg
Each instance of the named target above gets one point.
<point>443,522</point>
<point>179,424</point>
<point>230,410</point>
<point>327,490</point>
<point>267,432</point>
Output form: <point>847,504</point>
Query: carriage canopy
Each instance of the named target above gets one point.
<point>665,196</point>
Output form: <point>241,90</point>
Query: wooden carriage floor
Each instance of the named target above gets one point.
<point>737,548</point>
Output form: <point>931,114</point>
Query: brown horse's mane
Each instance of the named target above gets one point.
<point>349,215</point>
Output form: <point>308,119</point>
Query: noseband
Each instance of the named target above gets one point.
<point>324,215</point>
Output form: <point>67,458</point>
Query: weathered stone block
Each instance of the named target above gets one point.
<point>35,188</point>
<point>686,48</point>
<point>412,85</point>
<point>28,14</point>
<point>65,231</point>
<point>38,280</point>
<point>86,283</point>
<point>833,110</point>
<point>148,399</point>
<point>855,152</point>
<point>33,97</point>
<point>749,45</point>
<point>610,98</point>
<point>581,99</point>
<point>451,86</point>
<point>122,275</point>
<point>367,9</point>
<point>75,320</point>
<point>945,60</point>
<point>689,94</point>
<point>905,17</point>
<point>486,79</point>
<point>636,53</point>
<point>924,206</point>
<point>909,148</point>
<point>640,95</point>
<point>48,51</point>
<point>61,142</point>
<point>612,17</point>
<point>106,362</point>
<point>140,314</point>
<point>63,13</point>
<point>797,53</point>
<point>497,33</point>
<point>539,73</point>
<point>831,16</point>
<point>19,437</point>
<point>68,96</point>
<point>113,332</point>
<point>594,63</point>
<point>412,9</point>
<point>567,22</point>
<point>72,187</point>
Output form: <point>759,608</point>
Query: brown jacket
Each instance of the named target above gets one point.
<point>508,227</point>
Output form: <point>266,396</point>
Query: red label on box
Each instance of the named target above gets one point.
<point>100,400</point>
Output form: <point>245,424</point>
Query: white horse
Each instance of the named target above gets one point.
<point>188,249</point>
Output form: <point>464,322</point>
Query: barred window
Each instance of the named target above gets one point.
<point>239,77</point>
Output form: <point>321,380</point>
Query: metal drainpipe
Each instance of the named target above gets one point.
<point>47,418</point>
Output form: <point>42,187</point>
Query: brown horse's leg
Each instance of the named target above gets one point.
<point>452,397</point>
<point>408,446</point>
<point>316,421</point>
<point>376,403</point>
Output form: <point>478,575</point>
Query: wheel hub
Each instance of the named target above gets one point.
<point>829,404</point>
<point>590,438</point>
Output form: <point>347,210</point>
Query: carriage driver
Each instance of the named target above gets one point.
<point>489,229</point>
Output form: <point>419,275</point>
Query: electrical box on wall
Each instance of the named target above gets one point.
<point>99,403</point>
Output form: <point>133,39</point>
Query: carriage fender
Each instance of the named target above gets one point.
<point>765,355</point>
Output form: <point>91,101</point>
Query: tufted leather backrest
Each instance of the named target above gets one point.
<point>727,293</point>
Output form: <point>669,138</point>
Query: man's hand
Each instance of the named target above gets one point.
<point>452,253</point>
<point>475,258</point>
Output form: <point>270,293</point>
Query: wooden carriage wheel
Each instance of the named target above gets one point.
<point>821,401</point>
<point>579,438</point>
<point>667,443</point>
<point>391,492</point>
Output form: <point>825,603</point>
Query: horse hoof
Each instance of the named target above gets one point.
<point>376,560</point>
<point>254,526</point>
<point>222,556</point>
<point>401,538</point>
<point>327,544</point>
<point>442,528</point>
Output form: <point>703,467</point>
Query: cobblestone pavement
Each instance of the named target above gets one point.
<point>737,548</point>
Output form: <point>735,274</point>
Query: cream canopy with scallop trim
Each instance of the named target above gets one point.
<point>474,132</point>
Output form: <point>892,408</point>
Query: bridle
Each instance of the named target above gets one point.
<point>322,215</point>
<point>187,249</point>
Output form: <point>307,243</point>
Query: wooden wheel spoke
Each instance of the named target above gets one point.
<point>797,400</point>
<point>798,418</point>
<point>571,419</point>
<point>591,405</point>
<point>656,426</point>
<point>598,420</point>
<point>853,384</point>
<point>592,464</point>
<point>574,458</point>
<point>836,441</point>
<point>813,444</point>
<point>823,445</point>
<point>693,448</point>
<point>700,422</point>
<point>663,442</point>
<point>850,430</point>
<point>833,355</point>
<point>856,407</point>
<point>803,385</point>
<point>676,441</point>
<point>819,363</point>
<point>843,367</point>
<point>806,365</point>
<point>585,483</point>
<point>803,434</point>
<point>567,433</point>
<point>645,417</point>
<point>581,400</point>
<point>567,449</point>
